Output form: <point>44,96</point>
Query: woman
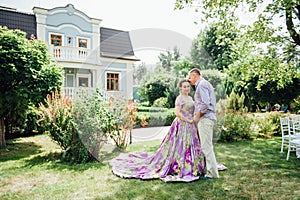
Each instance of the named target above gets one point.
<point>179,157</point>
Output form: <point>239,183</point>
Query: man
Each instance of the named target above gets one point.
<point>205,118</point>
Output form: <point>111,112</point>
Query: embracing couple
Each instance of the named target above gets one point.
<point>186,153</point>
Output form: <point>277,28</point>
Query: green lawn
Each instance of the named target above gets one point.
<point>30,169</point>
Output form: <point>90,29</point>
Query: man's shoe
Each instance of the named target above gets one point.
<point>206,177</point>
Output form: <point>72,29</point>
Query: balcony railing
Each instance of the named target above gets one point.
<point>80,92</point>
<point>74,54</point>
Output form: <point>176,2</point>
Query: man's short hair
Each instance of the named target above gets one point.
<point>195,70</point>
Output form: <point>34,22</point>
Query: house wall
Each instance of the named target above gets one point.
<point>125,68</point>
<point>70,22</point>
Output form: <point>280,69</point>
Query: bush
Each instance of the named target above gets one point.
<point>151,109</point>
<point>56,119</point>
<point>236,102</point>
<point>144,104</point>
<point>155,87</point>
<point>296,105</point>
<point>170,117</point>
<point>161,102</point>
<point>86,114</point>
<point>120,114</point>
<point>151,119</point>
<point>236,127</point>
<point>268,124</point>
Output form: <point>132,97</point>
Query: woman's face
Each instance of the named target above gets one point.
<point>185,88</point>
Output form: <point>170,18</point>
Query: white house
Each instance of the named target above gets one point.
<point>91,55</point>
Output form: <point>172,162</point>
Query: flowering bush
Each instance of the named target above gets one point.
<point>119,116</point>
<point>56,119</point>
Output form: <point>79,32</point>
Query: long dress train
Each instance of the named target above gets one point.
<point>178,158</point>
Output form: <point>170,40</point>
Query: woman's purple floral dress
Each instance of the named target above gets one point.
<point>179,157</point>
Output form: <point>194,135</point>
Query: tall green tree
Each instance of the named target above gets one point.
<point>268,73</point>
<point>139,72</point>
<point>167,59</point>
<point>27,75</point>
<point>263,77</point>
<point>182,67</point>
<point>213,45</point>
<point>277,22</point>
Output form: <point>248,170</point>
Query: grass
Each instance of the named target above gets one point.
<point>30,168</point>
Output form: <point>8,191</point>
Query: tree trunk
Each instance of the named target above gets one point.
<point>2,133</point>
<point>290,24</point>
<point>130,137</point>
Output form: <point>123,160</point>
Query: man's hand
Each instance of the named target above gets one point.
<point>197,117</point>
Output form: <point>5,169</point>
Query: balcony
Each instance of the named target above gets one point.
<point>74,54</point>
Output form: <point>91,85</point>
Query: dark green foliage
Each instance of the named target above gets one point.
<point>172,92</point>
<point>263,79</point>
<point>296,105</point>
<point>212,48</point>
<point>155,87</point>
<point>150,109</point>
<point>27,75</point>
<point>272,94</point>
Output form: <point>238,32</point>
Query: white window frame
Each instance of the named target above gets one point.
<point>120,81</point>
<point>84,76</point>
<point>73,43</point>
<point>62,38</point>
<point>67,74</point>
<point>87,40</point>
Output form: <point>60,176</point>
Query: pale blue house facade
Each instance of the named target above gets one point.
<point>91,55</point>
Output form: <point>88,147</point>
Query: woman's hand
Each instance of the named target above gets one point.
<point>196,119</point>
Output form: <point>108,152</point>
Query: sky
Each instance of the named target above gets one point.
<point>154,26</point>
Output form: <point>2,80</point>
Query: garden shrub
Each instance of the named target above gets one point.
<point>236,102</point>
<point>161,102</point>
<point>151,119</point>
<point>144,104</point>
<point>170,117</point>
<point>236,127</point>
<point>89,125</point>
<point>295,105</point>
<point>120,115</point>
<point>268,124</point>
<point>56,119</point>
<point>151,109</point>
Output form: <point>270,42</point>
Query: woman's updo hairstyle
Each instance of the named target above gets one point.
<point>183,81</point>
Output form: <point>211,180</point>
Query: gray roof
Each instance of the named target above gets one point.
<point>13,19</point>
<point>113,43</point>
<point>116,44</point>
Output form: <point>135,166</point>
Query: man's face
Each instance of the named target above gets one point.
<point>193,78</point>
